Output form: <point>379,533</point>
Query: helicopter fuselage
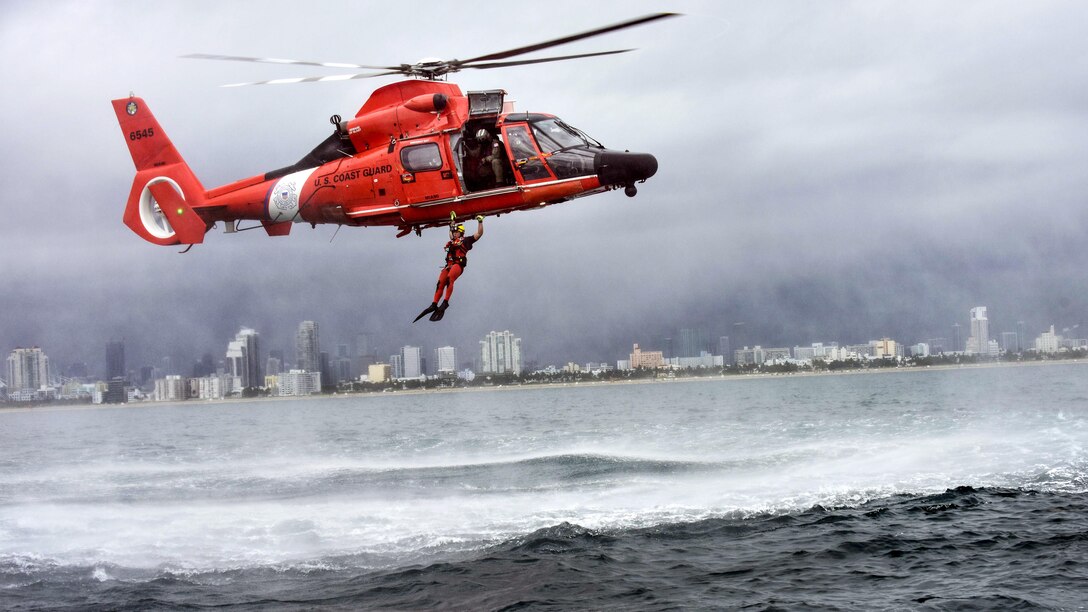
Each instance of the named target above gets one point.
<point>416,154</point>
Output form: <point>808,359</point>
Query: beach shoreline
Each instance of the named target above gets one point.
<point>664,379</point>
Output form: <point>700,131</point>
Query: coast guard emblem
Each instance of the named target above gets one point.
<point>131,108</point>
<point>286,197</point>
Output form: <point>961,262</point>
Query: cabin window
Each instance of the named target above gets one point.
<point>420,158</point>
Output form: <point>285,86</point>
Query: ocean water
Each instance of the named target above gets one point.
<point>948,490</point>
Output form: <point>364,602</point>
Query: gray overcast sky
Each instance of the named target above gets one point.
<point>829,171</point>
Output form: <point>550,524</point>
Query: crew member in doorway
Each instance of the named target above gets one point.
<point>456,260</point>
<point>483,161</point>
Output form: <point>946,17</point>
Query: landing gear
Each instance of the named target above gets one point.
<point>630,190</point>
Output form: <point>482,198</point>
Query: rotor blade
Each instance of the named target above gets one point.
<point>270,60</point>
<point>537,61</point>
<point>335,77</point>
<point>568,39</point>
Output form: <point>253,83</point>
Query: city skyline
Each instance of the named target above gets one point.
<point>501,353</point>
<point>29,368</point>
<point>659,335</point>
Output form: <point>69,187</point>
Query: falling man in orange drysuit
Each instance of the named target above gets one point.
<point>456,260</point>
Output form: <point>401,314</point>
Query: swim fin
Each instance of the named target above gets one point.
<point>433,307</point>
<point>440,311</point>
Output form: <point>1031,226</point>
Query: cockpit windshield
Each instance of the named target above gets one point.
<point>553,135</point>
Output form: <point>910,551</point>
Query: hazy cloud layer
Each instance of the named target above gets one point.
<point>837,171</point>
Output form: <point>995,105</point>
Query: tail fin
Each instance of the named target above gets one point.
<point>165,191</point>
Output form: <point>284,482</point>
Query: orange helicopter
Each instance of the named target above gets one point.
<point>417,154</point>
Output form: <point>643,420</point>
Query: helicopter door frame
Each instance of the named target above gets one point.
<point>456,151</point>
<point>525,155</point>
<point>487,180</point>
<point>429,176</point>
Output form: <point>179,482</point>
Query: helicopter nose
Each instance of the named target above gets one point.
<point>623,168</point>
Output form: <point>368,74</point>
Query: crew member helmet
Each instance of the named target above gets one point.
<point>482,135</point>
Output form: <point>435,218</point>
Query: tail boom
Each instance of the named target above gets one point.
<point>165,194</point>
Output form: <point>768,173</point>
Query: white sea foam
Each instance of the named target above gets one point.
<point>411,486</point>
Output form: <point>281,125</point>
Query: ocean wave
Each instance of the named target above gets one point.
<point>143,483</point>
<point>949,549</point>
<point>381,518</point>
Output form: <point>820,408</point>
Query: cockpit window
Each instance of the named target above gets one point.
<point>553,135</point>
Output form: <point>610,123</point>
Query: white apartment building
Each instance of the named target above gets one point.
<point>445,360</point>
<point>299,383</point>
<point>500,353</point>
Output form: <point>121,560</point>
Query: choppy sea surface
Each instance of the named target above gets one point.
<point>947,490</point>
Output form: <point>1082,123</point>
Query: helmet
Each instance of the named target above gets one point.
<point>460,227</point>
<point>483,135</point>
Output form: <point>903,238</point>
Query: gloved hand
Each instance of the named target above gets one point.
<point>479,218</point>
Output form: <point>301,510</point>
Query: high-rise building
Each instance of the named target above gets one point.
<point>645,359</point>
<point>254,365</point>
<point>362,344</point>
<point>342,365</point>
<point>278,354</point>
<point>28,370</point>
<point>147,375</point>
<point>412,362</point>
<point>396,366</point>
<point>936,345</point>
<point>77,369</point>
<point>691,343</point>
<point>204,367</point>
<point>749,356</point>
<point>207,387</point>
<point>299,383</point>
<point>273,366</point>
<point>1010,342</point>
<point>804,353</point>
<point>1048,342</point>
<point>979,342</point>
<point>445,360</point>
<point>739,334</point>
<point>244,360</point>
<point>500,353</point>
<point>115,360</point>
<point>116,393</point>
<point>885,348</point>
<point>379,372</point>
<point>236,364</point>
<point>308,347</point>
<point>171,389</point>
<point>325,367</point>
<point>723,349</point>
<point>364,352</point>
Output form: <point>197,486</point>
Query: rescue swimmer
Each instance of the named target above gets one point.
<point>456,260</point>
